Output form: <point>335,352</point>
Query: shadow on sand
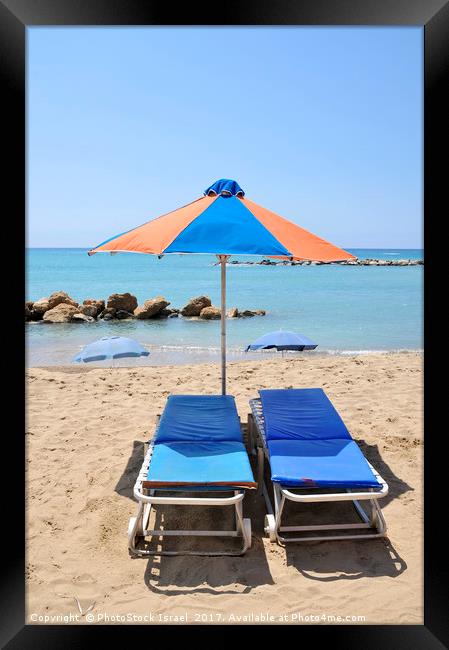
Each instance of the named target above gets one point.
<point>322,561</point>
<point>345,559</point>
<point>174,575</point>
<point>215,575</point>
<point>125,484</point>
<point>396,486</point>
<point>352,559</point>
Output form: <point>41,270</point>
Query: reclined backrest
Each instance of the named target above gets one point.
<point>199,418</point>
<point>301,414</point>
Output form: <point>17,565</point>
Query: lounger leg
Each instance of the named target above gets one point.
<point>260,470</point>
<point>373,515</point>
<point>146,516</point>
<point>237,519</point>
<point>279,502</point>
<point>243,526</point>
<point>135,528</point>
<point>239,515</point>
<point>377,520</point>
<point>360,511</point>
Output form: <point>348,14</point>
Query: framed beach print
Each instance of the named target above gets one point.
<point>223,216</point>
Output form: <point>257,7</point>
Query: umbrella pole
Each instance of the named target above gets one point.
<point>223,259</point>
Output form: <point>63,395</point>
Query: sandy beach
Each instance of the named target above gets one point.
<point>85,433</point>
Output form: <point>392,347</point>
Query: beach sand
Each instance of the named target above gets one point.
<point>85,433</point>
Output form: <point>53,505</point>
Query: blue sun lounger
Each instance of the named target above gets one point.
<point>313,458</point>
<point>197,447</point>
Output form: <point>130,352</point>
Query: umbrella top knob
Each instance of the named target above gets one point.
<point>224,187</point>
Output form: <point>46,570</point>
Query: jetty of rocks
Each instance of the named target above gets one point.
<point>59,307</point>
<point>354,262</point>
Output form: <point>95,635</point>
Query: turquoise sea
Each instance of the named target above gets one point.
<point>343,308</point>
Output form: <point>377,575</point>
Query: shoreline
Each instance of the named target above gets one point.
<point>204,356</point>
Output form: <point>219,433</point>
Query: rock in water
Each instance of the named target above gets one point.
<point>249,313</point>
<point>60,297</point>
<point>28,310</point>
<point>210,313</point>
<point>165,313</point>
<point>81,318</point>
<point>121,314</point>
<point>62,313</point>
<point>40,306</point>
<point>107,314</point>
<point>195,305</point>
<point>168,313</point>
<point>122,301</point>
<point>92,307</point>
<point>151,308</point>
<point>233,312</point>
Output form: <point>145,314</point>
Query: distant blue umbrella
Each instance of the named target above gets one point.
<point>282,341</point>
<point>111,347</point>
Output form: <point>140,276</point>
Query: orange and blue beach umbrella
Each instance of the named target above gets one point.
<point>224,222</point>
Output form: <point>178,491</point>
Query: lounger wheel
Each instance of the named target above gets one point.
<point>270,527</point>
<point>247,531</point>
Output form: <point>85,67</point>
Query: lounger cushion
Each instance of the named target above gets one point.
<point>309,444</point>
<point>200,418</point>
<point>336,463</point>
<point>200,464</point>
<point>301,414</point>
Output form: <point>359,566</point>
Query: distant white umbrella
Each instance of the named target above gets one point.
<point>282,340</point>
<point>111,347</point>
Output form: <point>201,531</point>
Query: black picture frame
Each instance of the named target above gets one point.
<point>433,15</point>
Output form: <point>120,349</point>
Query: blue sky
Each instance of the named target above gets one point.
<point>321,125</point>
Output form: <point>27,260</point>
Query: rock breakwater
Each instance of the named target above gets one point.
<point>59,307</point>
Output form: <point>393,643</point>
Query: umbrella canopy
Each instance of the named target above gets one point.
<point>224,222</point>
<point>282,341</point>
<point>111,347</point>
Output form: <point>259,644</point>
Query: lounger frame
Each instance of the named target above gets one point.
<point>138,525</point>
<point>374,523</point>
